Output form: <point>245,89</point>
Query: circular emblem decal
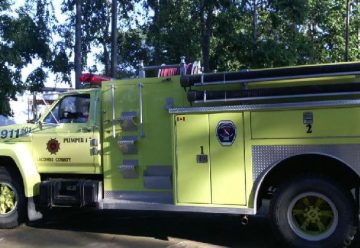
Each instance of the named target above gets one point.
<point>226,132</point>
<point>53,146</point>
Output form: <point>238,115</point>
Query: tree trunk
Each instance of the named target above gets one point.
<point>206,51</point>
<point>254,24</point>
<point>347,24</point>
<point>206,33</point>
<point>157,42</point>
<point>77,61</point>
<point>106,59</point>
<point>114,46</point>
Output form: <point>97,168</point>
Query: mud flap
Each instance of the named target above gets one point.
<point>32,213</point>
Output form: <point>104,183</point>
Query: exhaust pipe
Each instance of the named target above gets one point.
<point>244,220</point>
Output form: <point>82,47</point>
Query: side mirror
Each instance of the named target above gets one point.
<point>40,125</point>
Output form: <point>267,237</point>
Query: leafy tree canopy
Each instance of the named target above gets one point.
<point>25,36</point>
<point>225,35</point>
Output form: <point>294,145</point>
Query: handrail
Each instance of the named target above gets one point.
<point>142,134</point>
<point>142,68</point>
<point>113,110</point>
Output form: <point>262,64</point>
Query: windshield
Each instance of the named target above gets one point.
<point>71,109</point>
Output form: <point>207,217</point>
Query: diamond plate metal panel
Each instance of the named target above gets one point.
<point>264,157</point>
<point>128,168</point>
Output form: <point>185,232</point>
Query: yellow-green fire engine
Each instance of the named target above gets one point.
<point>207,143</point>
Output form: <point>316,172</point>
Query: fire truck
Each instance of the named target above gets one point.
<point>219,143</point>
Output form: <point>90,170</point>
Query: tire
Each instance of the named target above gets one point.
<point>313,212</point>
<point>12,200</point>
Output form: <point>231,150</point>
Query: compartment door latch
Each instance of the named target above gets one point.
<point>202,158</point>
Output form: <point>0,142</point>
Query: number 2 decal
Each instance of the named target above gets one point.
<point>309,128</point>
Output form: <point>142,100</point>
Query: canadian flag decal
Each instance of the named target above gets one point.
<point>180,118</point>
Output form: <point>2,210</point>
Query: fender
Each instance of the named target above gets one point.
<point>21,155</point>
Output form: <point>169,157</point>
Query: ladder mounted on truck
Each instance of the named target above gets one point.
<point>328,80</point>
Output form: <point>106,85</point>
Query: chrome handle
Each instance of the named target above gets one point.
<point>142,134</point>
<point>113,110</point>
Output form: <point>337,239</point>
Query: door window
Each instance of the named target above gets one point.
<point>71,109</point>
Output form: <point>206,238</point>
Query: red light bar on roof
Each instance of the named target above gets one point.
<point>93,79</point>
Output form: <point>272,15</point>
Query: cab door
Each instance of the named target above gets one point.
<point>67,138</point>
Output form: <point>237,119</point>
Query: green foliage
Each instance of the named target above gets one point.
<point>36,80</point>
<point>25,36</point>
<point>95,28</point>
<point>132,48</point>
<point>173,32</point>
<point>225,35</point>
<point>254,33</point>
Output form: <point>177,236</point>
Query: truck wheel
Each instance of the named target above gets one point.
<point>313,212</point>
<point>12,200</point>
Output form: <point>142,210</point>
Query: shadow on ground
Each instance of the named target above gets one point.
<point>215,230</point>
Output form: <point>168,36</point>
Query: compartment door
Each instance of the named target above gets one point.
<point>193,161</point>
<point>227,158</point>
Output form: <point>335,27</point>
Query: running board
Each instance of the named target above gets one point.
<point>146,206</point>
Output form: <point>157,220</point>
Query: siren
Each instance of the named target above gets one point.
<point>92,80</point>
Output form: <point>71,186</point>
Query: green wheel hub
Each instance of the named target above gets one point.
<point>8,199</point>
<point>312,216</point>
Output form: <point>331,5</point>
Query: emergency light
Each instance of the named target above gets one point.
<point>92,79</point>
